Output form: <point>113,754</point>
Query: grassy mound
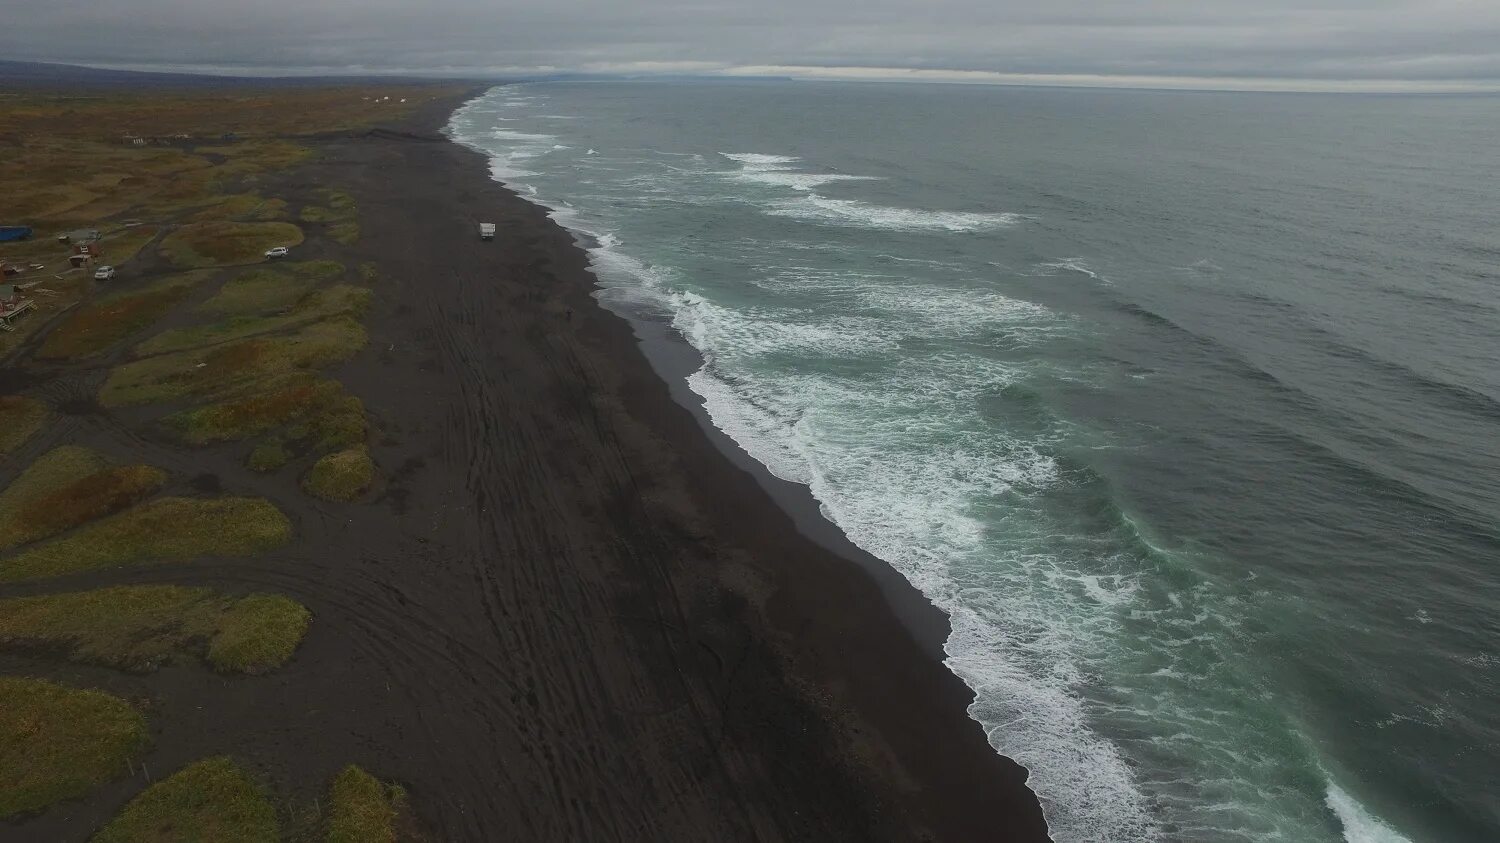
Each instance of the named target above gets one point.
<point>139,627</point>
<point>340,423</point>
<point>66,487</point>
<point>268,456</point>
<point>212,800</point>
<point>362,809</point>
<point>323,413</point>
<point>58,743</point>
<point>243,206</point>
<point>202,244</point>
<point>259,633</point>
<point>346,232</point>
<point>245,417</point>
<point>340,207</point>
<point>318,213</point>
<point>269,290</point>
<point>341,476</point>
<point>19,418</point>
<point>339,300</point>
<point>161,530</point>
<point>100,324</point>
<point>219,370</point>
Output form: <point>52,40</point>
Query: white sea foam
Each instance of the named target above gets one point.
<point>1072,265</point>
<point>756,158</point>
<point>794,181</point>
<point>777,171</point>
<point>821,209</point>
<point>871,455</point>
<point>1360,826</point>
<point>505,169</point>
<point>509,135</point>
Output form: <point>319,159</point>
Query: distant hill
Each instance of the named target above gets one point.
<point>32,74</point>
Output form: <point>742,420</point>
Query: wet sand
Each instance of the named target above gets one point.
<point>569,614</point>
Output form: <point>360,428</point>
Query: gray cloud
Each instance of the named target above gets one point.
<point>1407,41</point>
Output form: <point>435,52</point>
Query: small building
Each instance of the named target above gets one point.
<point>12,304</point>
<point>14,232</point>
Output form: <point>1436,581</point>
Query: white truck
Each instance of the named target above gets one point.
<point>486,231</point>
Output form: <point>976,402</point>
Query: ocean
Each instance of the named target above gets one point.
<point>1184,406</point>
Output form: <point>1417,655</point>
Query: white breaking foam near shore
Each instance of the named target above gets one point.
<point>893,462</point>
<point>1360,826</point>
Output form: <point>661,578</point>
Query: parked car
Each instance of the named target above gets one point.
<point>104,273</point>
<point>276,252</point>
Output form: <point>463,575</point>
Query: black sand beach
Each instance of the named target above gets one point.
<point>569,615</point>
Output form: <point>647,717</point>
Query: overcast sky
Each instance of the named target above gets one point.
<point>1216,43</point>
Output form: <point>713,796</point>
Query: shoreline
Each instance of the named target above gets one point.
<point>671,358</point>
<point>563,610</point>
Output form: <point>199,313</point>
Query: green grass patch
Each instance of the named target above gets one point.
<point>219,370</point>
<point>260,154</point>
<point>243,207</point>
<point>138,627</point>
<point>203,244</point>
<point>266,290</point>
<point>319,413</point>
<point>100,324</point>
<point>158,531</point>
<point>123,246</point>
<point>259,633</point>
<point>362,809</point>
<point>339,423</point>
<point>339,201</point>
<point>340,208</point>
<point>66,487</point>
<point>346,233</point>
<point>318,213</point>
<point>20,417</point>
<point>58,743</point>
<point>338,300</point>
<point>264,410</point>
<point>268,456</point>
<point>368,273</point>
<point>212,800</point>
<point>341,476</point>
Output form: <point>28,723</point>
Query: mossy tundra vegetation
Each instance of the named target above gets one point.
<point>198,342</point>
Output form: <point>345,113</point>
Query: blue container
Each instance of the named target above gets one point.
<point>14,232</point>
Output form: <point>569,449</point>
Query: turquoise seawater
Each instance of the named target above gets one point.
<point>1185,406</point>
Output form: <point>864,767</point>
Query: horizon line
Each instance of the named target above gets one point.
<point>840,73</point>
